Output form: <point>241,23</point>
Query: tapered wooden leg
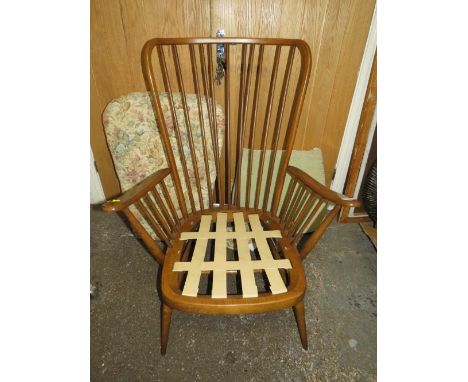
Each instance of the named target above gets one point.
<point>165,324</point>
<point>299,313</point>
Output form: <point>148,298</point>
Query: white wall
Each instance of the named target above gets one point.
<point>97,193</point>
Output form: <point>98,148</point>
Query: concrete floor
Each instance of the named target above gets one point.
<point>125,319</point>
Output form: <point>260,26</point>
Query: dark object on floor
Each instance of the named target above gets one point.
<point>93,290</point>
<point>370,193</point>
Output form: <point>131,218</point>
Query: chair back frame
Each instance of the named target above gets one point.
<point>195,73</point>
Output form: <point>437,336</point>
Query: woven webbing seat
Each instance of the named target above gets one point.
<point>219,266</point>
<point>239,208</point>
<point>202,274</point>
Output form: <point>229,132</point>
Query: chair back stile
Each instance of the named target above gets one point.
<point>230,144</point>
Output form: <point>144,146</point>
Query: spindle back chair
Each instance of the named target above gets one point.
<point>260,84</point>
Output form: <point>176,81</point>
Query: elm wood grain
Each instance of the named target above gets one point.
<point>275,236</point>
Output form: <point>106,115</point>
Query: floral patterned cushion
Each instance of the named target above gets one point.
<point>136,147</point>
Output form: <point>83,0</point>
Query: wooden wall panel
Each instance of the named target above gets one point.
<point>352,48</point>
<point>119,28</point>
<point>336,31</point>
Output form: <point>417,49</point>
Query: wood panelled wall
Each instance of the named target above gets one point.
<point>336,31</point>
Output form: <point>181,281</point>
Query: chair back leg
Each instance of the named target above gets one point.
<point>166,313</point>
<point>299,313</point>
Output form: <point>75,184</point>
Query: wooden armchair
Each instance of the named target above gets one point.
<point>260,84</point>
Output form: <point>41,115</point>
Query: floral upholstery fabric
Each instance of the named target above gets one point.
<point>137,149</point>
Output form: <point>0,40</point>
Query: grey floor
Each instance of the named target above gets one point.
<point>125,319</point>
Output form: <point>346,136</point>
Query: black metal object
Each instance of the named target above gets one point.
<point>370,193</point>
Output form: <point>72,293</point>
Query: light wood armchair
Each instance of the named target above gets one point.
<point>262,91</point>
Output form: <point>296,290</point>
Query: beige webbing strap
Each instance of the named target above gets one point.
<point>274,277</point>
<point>249,288</point>
<point>194,273</point>
<point>219,289</point>
<point>220,265</point>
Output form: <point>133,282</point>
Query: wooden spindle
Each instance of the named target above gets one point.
<point>193,61</point>
<point>158,112</point>
<point>163,208</point>
<point>165,192</point>
<point>244,95</point>
<point>145,236</point>
<point>188,125</point>
<point>154,225</point>
<point>240,109</point>
<point>294,202</point>
<point>167,86</point>
<point>301,215</point>
<point>308,222</point>
<point>159,218</point>
<point>277,129</point>
<point>227,129</point>
<point>296,206</point>
<point>211,114</point>
<point>293,121</point>
<point>266,126</point>
<point>287,198</point>
<point>312,240</point>
<point>253,123</point>
<point>219,180</point>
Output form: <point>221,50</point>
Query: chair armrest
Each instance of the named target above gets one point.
<point>322,190</point>
<point>136,192</point>
<point>323,213</point>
